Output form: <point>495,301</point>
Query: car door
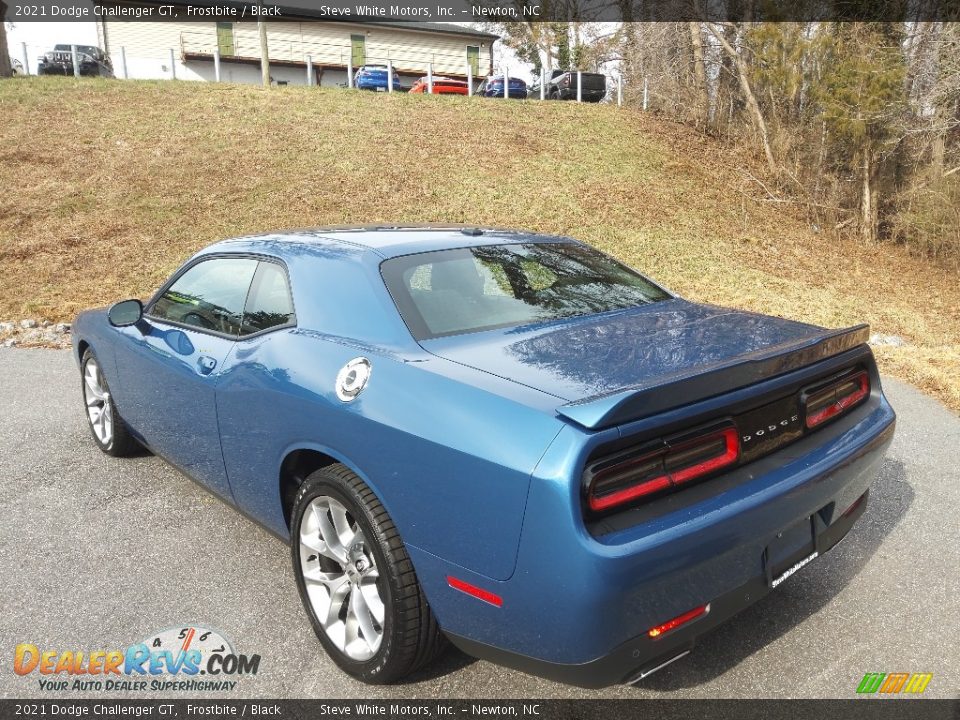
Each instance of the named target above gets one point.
<point>258,376</point>
<point>169,364</point>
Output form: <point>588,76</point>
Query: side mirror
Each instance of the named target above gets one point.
<point>125,313</point>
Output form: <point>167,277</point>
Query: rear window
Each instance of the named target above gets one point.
<point>450,292</point>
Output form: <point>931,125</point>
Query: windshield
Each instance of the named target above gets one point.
<point>448,292</point>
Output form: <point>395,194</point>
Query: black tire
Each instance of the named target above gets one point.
<point>411,637</point>
<point>121,443</point>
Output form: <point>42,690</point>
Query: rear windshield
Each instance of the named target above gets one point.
<point>449,292</point>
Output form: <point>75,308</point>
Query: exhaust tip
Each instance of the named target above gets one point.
<point>643,674</point>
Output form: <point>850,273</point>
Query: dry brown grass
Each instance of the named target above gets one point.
<point>109,185</point>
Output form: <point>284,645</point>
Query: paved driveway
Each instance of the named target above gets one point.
<point>97,553</point>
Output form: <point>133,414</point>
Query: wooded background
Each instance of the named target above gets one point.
<point>858,124</point>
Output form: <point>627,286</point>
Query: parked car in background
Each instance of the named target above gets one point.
<point>441,86</point>
<point>92,60</point>
<point>562,85</point>
<point>493,87</point>
<point>374,77</point>
<point>506,439</point>
<point>16,66</point>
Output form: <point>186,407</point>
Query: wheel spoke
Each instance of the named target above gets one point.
<point>331,581</point>
<point>337,601</point>
<point>93,389</point>
<point>364,617</point>
<point>371,598</point>
<point>329,535</point>
<point>352,627</point>
<point>341,525</point>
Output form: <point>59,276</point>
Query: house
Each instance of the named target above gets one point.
<point>230,51</point>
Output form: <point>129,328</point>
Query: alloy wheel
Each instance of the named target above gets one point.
<point>97,398</point>
<point>341,578</point>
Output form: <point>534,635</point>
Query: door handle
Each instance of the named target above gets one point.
<point>206,364</point>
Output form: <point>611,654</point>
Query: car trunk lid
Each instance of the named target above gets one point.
<point>610,368</point>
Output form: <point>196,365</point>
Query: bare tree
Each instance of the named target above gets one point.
<point>743,76</point>
<point>699,73</point>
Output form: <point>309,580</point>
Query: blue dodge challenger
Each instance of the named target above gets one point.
<point>499,439</point>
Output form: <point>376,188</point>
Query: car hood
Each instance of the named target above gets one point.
<point>597,355</point>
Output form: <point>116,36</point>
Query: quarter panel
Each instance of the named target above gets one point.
<point>450,462</point>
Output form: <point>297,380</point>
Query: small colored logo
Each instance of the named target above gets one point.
<point>172,659</point>
<point>894,683</point>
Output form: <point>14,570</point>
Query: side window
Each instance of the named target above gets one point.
<point>208,296</point>
<point>269,304</point>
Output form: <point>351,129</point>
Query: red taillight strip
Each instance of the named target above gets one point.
<point>629,493</point>
<point>473,590</point>
<point>842,404</point>
<point>731,452</point>
<point>669,625</point>
<point>731,449</point>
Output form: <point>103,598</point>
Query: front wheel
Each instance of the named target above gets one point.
<point>356,580</point>
<point>107,427</point>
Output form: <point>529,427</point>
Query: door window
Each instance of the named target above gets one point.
<point>269,304</point>
<point>209,296</point>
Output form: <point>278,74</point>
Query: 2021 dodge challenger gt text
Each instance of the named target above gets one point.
<point>501,439</point>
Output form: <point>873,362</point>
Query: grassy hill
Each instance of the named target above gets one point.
<point>108,186</point>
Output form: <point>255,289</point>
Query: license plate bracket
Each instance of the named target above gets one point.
<point>790,550</point>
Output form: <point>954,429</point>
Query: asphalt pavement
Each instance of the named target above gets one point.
<point>98,553</point>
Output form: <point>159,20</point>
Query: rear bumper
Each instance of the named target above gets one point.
<point>641,656</point>
<point>579,606</point>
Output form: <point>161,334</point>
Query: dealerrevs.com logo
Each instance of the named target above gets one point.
<point>188,658</point>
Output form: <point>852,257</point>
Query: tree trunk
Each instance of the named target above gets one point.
<point>868,206</point>
<point>5,69</point>
<point>700,76</point>
<point>742,71</point>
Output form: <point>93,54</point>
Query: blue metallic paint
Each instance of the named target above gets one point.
<point>461,440</point>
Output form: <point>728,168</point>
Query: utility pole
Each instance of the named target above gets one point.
<point>264,50</point>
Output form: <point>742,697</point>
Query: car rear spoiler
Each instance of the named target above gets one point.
<point>682,388</point>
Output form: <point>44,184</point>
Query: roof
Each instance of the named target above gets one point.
<point>388,241</point>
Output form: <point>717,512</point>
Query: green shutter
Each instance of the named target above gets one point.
<point>358,50</point>
<point>225,38</point>
<point>473,59</point>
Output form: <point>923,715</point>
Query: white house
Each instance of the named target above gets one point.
<point>188,50</point>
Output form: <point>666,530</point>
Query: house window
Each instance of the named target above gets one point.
<point>358,50</point>
<point>225,38</point>
<point>473,59</point>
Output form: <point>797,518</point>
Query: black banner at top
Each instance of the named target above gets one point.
<point>471,11</point>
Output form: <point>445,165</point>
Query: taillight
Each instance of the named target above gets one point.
<point>670,465</point>
<point>835,399</point>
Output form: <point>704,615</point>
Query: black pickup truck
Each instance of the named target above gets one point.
<point>92,60</point>
<point>562,85</point>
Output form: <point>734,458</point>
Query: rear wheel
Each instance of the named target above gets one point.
<point>356,580</point>
<point>107,427</point>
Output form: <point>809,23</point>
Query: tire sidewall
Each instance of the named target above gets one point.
<point>318,484</point>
